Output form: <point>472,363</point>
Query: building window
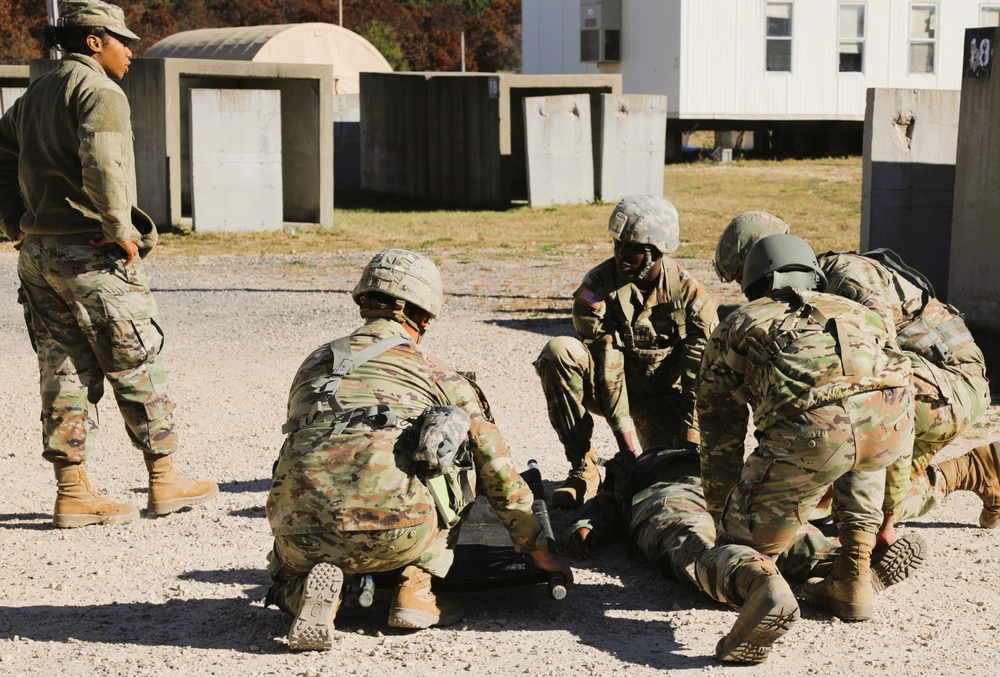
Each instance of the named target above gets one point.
<point>779,37</point>
<point>989,15</point>
<point>852,37</point>
<point>923,24</point>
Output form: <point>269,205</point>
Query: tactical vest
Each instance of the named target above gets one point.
<point>799,322</point>
<point>637,340</point>
<point>934,342</point>
<point>452,491</point>
<point>327,412</point>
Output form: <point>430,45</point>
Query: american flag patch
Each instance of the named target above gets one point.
<point>591,298</point>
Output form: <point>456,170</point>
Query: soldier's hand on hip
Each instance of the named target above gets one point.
<point>131,249</point>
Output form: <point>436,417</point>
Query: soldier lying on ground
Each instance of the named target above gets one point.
<point>831,402</point>
<point>643,322</point>
<point>658,502</point>
<point>949,379</point>
<point>360,487</point>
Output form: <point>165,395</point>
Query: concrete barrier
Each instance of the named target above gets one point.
<point>559,149</point>
<point>907,193</point>
<point>974,280</point>
<point>632,145</point>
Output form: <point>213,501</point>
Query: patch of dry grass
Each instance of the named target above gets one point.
<point>820,198</point>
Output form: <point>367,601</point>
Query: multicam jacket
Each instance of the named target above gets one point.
<point>66,149</point>
<point>785,354</point>
<point>920,322</point>
<point>648,344</point>
<point>359,480</point>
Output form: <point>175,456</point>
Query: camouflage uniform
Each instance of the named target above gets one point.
<point>831,404</point>
<point>349,498</point>
<point>64,181</point>
<point>951,390</point>
<point>637,362</point>
<point>661,508</point>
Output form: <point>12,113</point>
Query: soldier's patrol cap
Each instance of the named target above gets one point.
<point>95,13</point>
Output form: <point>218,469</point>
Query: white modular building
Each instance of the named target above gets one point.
<point>764,64</point>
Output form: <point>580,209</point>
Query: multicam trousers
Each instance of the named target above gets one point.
<point>669,526</point>
<point>849,443</point>
<point>90,317</point>
<point>356,552</point>
<point>949,397</point>
<point>567,373</point>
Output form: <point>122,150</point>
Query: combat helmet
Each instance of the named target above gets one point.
<point>646,219</point>
<point>779,261</point>
<point>739,236</point>
<point>403,275</point>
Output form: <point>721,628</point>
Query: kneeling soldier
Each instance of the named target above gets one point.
<point>385,447</point>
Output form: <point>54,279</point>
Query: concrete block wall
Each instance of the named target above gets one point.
<point>559,149</point>
<point>456,138</point>
<point>346,141</point>
<point>911,137</point>
<point>974,280</point>
<point>157,91</point>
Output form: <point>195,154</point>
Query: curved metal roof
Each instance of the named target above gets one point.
<point>348,52</point>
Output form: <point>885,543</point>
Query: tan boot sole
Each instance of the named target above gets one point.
<point>897,562</point>
<point>765,617</point>
<point>312,629</point>
<point>175,504</point>
<point>74,521</point>
<point>413,619</point>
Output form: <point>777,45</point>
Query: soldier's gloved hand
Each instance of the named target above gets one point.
<point>545,560</point>
<point>578,543</point>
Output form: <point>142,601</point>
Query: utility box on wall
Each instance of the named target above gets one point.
<point>600,30</point>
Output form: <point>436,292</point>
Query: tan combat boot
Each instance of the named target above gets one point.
<point>169,492</point>
<point>415,606</point>
<point>898,562</point>
<point>78,505</point>
<point>769,609</point>
<point>848,591</point>
<point>580,486</point>
<point>312,629</point>
<point>977,471</point>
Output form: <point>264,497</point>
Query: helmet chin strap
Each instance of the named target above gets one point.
<point>647,262</point>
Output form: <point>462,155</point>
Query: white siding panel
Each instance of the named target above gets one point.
<point>531,31</point>
<point>708,56</point>
<point>650,47</point>
<point>551,37</point>
<point>713,42</point>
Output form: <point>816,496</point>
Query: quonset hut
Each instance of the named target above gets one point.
<point>309,43</point>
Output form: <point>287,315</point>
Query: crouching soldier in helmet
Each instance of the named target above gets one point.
<point>951,390</point>
<point>831,402</point>
<point>385,444</point>
<point>643,322</point>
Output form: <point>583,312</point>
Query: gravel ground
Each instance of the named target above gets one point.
<point>182,594</point>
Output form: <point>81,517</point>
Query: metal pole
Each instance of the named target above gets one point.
<point>463,51</point>
<point>53,9</point>
<point>340,12</point>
